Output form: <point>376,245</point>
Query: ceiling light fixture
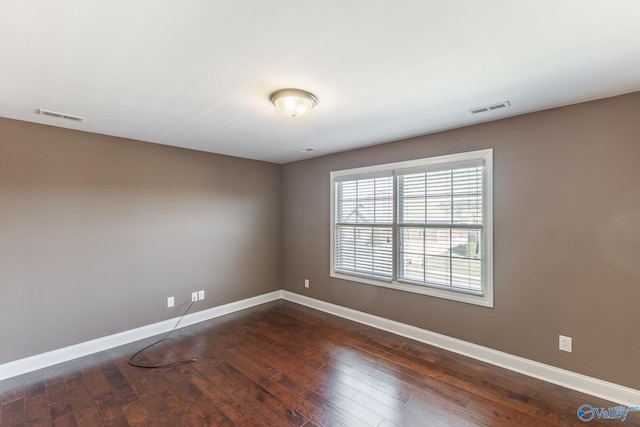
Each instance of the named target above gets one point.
<point>293,103</point>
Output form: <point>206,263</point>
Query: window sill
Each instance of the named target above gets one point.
<point>485,300</point>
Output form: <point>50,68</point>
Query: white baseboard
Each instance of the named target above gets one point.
<point>43,360</point>
<point>582,383</point>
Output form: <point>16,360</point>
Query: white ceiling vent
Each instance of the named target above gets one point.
<point>307,150</point>
<point>60,115</point>
<point>487,108</point>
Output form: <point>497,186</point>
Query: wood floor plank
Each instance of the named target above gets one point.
<point>56,392</point>
<point>380,384</point>
<point>134,411</point>
<point>61,414</point>
<point>103,397</point>
<point>78,392</point>
<point>187,404</point>
<point>255,391</point>
<point>315,407</point>
<point>34,388</point>
<point>156,408</point>
<point>13,389</point>
<point>293,396</point>
<point>36,413</point>
<point>335,395</point>
<point>283,364</point>
<point>422,370</point>
<point>237,403</point>
<point>13,413</point>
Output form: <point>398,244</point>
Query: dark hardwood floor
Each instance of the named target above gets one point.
<point>282,364</point>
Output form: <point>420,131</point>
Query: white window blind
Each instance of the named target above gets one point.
<point>363,226</point>
<point>422,226</point>
<point>440,228</point>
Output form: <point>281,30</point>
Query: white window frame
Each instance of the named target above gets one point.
<point>485,298</point>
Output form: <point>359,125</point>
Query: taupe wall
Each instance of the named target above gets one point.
<point>567,237</point>
<point>96,232</point>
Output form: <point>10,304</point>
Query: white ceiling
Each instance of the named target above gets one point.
<point>198,73</point>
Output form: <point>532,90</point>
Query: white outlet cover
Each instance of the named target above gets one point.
<point>194,296</point>
<point>565,344</point>
<point>306,283</point>
<point>170,302</point>
<point>201,295</point>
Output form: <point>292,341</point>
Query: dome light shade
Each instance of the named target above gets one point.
<point>293,103</point>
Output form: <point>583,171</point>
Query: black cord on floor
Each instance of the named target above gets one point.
<point>180,362</point>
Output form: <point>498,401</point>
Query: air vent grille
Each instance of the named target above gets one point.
<point>60,115</point>
<point>488,108</point>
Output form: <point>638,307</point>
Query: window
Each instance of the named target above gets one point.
<point>422,226</point>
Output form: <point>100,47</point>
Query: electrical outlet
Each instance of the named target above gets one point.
<point>201,295</point>
<point>170,302</point>
<point>306,283</point>
<point>566,344</point>
<point>194,296</point>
